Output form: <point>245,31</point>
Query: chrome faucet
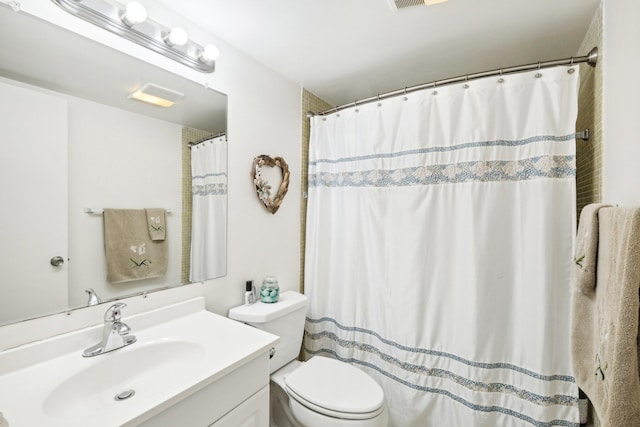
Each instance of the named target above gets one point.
<point>93,297</point>
<point>115,334</point>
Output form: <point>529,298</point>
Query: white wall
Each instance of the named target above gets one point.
<point>132,165</point>
<point>621,102</point>
<point>264,118</point>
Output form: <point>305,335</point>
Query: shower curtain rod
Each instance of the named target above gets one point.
<point>201,140</point>
<point>591,58</point>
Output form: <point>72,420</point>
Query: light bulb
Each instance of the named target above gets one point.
<point>209,54</point>
<point>134,13</point>
<point>176,37</point>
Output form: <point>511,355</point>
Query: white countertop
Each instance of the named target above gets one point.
<point>180,349</point>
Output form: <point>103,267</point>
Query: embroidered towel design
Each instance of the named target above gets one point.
<point>156,223</point>
<point>604,335</point>
<point>130,252</point>
<point>583,270</point>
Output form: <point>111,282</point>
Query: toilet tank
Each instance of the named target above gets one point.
<point>284,318</point>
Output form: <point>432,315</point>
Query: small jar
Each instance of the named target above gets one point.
<point>269,291</point>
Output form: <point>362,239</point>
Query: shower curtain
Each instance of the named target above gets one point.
<point>209,192</point>
<point>439,239</point>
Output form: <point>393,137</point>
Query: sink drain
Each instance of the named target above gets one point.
<point>124,395</point>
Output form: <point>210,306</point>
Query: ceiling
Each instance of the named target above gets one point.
<point>345,50</point>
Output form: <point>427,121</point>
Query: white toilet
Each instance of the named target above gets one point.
<point>321,392</point>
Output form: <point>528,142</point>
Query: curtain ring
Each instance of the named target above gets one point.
<point>572,60</point>
<point>539,65</point>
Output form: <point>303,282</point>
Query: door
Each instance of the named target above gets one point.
<point>33,202</point>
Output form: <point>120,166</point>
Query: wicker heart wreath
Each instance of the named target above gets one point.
<point>262,187</point>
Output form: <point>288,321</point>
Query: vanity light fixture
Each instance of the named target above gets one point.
<point>176,37</point>
<point>432,2</point>
<point>131,22</point>
<point>134,13</point>
<point>209,54</point>
<point>156,95</point>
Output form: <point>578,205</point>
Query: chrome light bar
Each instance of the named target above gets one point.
<point>112,17</point>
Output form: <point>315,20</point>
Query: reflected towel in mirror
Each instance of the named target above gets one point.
<point>156,223</point>
<point>130,252</point>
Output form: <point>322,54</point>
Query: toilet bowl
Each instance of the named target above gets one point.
<point>322,392</point>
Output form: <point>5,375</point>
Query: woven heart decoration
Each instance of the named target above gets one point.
<point>261,185</point>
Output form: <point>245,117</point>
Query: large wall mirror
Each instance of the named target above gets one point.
<point>72,143</point>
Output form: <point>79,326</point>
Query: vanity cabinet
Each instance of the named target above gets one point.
<point>253,412</point>
<point>188,368</point>
<point>238,399</point>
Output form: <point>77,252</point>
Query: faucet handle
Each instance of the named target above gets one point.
<point>114,313</point>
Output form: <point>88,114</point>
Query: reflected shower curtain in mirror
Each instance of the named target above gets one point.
<point>440,233</point>
<point>209,192</point>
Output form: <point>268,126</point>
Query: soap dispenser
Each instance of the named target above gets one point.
<point>249,296</point>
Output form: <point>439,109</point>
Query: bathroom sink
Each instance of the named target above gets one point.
<point>181,350</point>
<point>143,369</point>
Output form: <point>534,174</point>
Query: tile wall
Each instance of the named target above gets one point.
<point>589,153</point>
<point>310,104</point>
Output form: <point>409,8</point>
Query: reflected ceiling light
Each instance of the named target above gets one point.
<point>134,13</point>
<point>125,21</point>
<point>209,54</point>
<point>176,37</point>
<point>396,5</point>
<point>156,95</point>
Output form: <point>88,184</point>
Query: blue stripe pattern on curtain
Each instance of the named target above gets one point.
<point>439,240</point>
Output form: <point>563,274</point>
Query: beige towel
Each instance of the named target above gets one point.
<point>156,223</point>
<point>129,250</point>
<point>584,263</point>
<point>604,331</point>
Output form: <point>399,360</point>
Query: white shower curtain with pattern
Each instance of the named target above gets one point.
<point>440,231</point>
<point>209,220</point>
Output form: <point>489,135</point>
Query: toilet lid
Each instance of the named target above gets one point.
<point>335,386</point>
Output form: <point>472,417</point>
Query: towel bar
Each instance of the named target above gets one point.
<point>92,211</point>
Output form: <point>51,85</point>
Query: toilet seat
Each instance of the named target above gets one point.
<point>334,414</point>
<point>335,389</point>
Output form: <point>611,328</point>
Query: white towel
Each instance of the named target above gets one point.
<point>3,421</point>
